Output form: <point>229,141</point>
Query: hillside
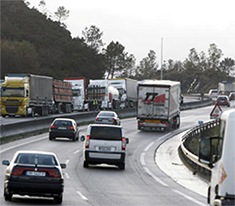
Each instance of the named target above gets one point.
<point>32,43</point>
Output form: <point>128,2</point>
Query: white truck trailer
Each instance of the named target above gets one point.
<point>106,96</point>
<point>127,91</point>
<point>79,93</point>
<point>226,87</point>
<point>219,154</point>
<point>158,106</point>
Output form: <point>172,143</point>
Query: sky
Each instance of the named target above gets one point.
<point>176,26</point>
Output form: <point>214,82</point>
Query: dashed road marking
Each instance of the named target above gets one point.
<point>189,198</point>
<point>82,196</point>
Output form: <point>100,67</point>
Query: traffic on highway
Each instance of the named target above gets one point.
<point>143,182</point>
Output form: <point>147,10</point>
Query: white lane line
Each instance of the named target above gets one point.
<point>67,175</point>
<point>142,158</point>
<point>154,177</point>
<point>190,198</point>
<point>67,162</point>
<point>76,151</point>
<point>15,146</point>
<point>150,145</point>
<point>82,196</point>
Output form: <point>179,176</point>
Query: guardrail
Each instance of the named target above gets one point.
<point>37,124</point>
<point>192,133</point>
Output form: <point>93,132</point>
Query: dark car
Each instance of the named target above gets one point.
<point>107,117</point>
<point>232,96</point>
<point>223,100</point>
<point>64,127</point>
<point>34,173</point>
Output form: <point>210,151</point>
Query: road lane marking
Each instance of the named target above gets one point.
<point>150,145</point>
<point>15,146</point>
<point>67,162</point>
<point>189,198</point>
<point>82,196</point>
<point>76,151</point>
<point>154,177</point>
<point>67,175</point>
<point>142,158</point>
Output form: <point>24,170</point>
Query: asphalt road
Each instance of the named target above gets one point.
<point>141,183</point>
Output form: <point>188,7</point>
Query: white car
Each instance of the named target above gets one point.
<point>104,144</point>
<point>213,93</point>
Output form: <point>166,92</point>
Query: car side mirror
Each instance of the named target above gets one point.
<point>127,140</point>
<point>82,138</point>
<point>5,162</point>
<point>63,166</point>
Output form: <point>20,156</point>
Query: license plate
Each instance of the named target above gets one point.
<point>152,121</point>
<point>35,173</point>
<point>61,127</point>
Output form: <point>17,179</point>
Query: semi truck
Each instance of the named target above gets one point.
<point>79,93</point>
<point>127,91</point>
<point>105,96</point>
<point>218,153</point>
<point>29,94</point>
<point>158,105</point>
<point>226,87</point>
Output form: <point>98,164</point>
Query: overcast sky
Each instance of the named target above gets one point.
<point>139,25</point>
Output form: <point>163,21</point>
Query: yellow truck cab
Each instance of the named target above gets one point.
<point>14,96</point>
<point>219,154</point>
<point>25,94</point>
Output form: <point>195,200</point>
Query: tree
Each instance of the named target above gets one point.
<point>227,66</point>
<point>92,37</point>
<point>114,58</point>
<point>129,66</point>
<point>62,14</point>
<point>214,57</point>
<point>148,67</point>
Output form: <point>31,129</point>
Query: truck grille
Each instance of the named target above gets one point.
<point>12,102</point>
<point>12,109</point>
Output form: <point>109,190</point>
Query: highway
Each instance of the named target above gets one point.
<point>143,182</point>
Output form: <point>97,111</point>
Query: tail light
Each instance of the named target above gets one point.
<point>17,171</point>
<point>54,173</point>
<point>123,143</point>
<point>52,126</point>
<point>96,119</point>
<point>72,128</point>
<point>87,143</point>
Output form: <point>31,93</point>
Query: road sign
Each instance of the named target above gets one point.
<point>216,112</point>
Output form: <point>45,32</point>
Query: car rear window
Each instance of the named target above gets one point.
<point>106,133</point>
<point>39,159</point>
<point>63,123</point>
<point>105,114</point>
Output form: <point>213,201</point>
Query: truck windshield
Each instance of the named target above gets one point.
<point>76,92</point>
<point>95,92</point>
<point>12,92</point>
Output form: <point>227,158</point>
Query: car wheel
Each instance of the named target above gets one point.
<point>85,164</point>
<point>51,137</point>
<point>58,199</point>
<point>7,196</point>
<point>121,166</point>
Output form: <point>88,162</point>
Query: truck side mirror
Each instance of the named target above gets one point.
<point>205,151</point>
<point>210,150</point>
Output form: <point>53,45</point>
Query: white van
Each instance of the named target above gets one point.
<point>104,144</point>
<point>219,154</point>
<point>213,93</point>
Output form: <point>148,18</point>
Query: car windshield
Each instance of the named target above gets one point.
<point>106,114</point>
<point>63,123</point>
<point>106,133</point>
<point>38,159</point>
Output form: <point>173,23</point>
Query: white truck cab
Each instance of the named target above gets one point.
<point>219,154</point>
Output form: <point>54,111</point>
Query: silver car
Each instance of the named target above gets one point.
<point>107,117</point>
<point>105,144</point>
